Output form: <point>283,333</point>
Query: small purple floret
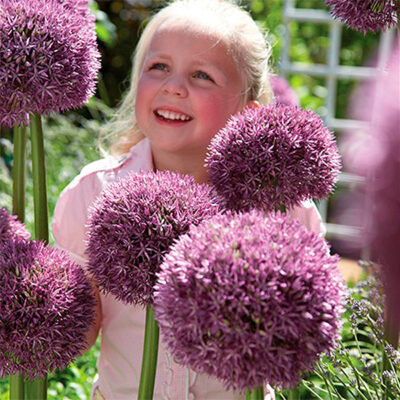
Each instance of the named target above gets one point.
<point>11,228</point>
<point>272,156</point>
<point>366,15</point>
<point>48,57</point>
<point>132,225</point>
<point>47,307</point>
<point>250,299</point>
<point>283,92</point>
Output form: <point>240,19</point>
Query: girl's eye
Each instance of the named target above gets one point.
<point>158,66</point>
<point>203,75</point>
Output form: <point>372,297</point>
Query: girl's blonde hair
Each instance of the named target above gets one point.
<point>231,24</point>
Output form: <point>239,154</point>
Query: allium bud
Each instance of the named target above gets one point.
<point>47,307</point>
<point>11,228</point>
<point>250,299</point>
<point>48,58</point>
<point>272,156</point>
<point>132,225</point>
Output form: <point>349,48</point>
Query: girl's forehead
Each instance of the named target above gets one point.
<point>195,28</point>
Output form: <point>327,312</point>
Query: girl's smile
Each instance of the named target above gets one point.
<point>188,88</point>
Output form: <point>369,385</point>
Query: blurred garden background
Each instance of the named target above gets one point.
<point>71,138</point>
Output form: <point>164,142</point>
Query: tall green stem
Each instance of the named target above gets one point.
<point>17,390</point>
<point>255,394</point>
<point>37,389</point>
<point>39,180</point>
<point>19,167</point>
<point>149,360</point>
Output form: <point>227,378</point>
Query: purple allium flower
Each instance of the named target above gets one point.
<point>47,307</point>
<point>249,299</point>
<point>283,92</point>
<point>366,15</point>
<point>11,228</point>
<point>132,225</point>
<point>48,58</point>
<point>272,156</point>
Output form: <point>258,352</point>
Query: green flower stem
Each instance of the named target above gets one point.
<point>19,162</point>
<point>17,389</point>
<point>293,394</point>
<point>255,394</point>
<point>39,180</point>
<point>37,389</point>
<point>149,360</point>
<point>18,209</point>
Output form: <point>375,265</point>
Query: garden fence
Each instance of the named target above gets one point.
<point>332,72</point>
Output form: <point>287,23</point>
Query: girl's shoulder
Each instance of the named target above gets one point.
<point>111,168</point>
<point>71,211</point>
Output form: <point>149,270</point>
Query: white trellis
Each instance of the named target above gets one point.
<point>332,71</point>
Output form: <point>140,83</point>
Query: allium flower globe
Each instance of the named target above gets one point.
<point>249,299</point>
<point>283,93</point>
<point>132,225</point>
<point>48,58</point>
<point>366,15</point>
<point>47,307</point>
<point>272,156</point>
<point>11,228</point>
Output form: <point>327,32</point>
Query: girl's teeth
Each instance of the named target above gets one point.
<point>172,115</point>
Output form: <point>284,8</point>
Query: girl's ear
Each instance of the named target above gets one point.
<point>253,104</point>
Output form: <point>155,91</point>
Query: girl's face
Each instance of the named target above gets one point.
<point>188,88</point>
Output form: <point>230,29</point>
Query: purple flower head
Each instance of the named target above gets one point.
<point>11,228</point>
<point>248,299</point>
<point>366,15</point>
<point>272,156</point>
<point>47,307</point>
<point>283,92</point>
<point>48,58</point>
<point>132,225</point>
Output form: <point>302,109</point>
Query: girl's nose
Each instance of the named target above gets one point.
<point>175,86</point>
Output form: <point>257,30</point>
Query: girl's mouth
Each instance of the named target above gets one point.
<point>171,116</point>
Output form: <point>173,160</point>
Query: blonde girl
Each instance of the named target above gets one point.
<point>197,63</point>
